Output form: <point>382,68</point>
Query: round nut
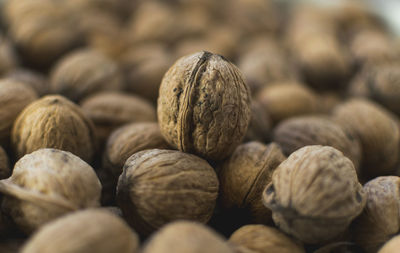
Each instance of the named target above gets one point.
<point>204,106</point>
<point>158,186</point>
<point>46,184</point>
<point>314,194</point>
<point>391,246</point>
<point>4,164</point>
<point>99,231</point>
<point>53,122</point>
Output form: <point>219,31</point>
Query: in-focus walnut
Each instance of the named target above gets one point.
<point>8,57</point>
<point>110,110</point>
<point>4,164</point>
<point>285,100</point>
<point>264,239</point>
<point>46,184</point>
<point>14,96</point>
<point>244,175</point>
<point>301,131</point>
<point>260,124</point>
<point>53,122</point>
<point>377,131</point>
<point>84,72</point>
<point>159,186</point>
<point>380,219</point>
<point>37,81</point>
<point>391,246</point>
<point>92,230</point>
<point>186,237</point>
<point>204,106</point>
<point>314,194</point>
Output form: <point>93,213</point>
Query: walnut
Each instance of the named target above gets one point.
<point>314,194</point>
<point>35,80</point>
<point>109,111</point>
<point>14,96</point>
<point>260,124</point>
<point>186,237</point>
<point>158,186</point>
<point>46,184</point>
<point>204,106</point>
<point>380,219</point>
<point>391,246</point>
<point>244,175</point>
<point>53,122</point>
<point>301,131</point>
<point>264,239</point>
<point>8,57</point>
<point>99,231</point>
<point>377,131</point>
<point>93,73</point>
<point>4,164</point>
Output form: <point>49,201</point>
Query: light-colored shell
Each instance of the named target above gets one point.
<point>204,106</point>
<point>391,246</point>
<point>46,184</point>
<point>186,237</point>
<point>244,175</point>
<point>4,164</point>
<point>159,186</point>
<point>314,194</point>
<point>263,239</point>
<point>53,122</point>
<point>92,230</point>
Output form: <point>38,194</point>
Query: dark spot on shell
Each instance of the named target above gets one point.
<point>270,189</point>
<point>358,197</point>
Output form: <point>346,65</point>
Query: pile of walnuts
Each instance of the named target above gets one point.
<point>230,126</point>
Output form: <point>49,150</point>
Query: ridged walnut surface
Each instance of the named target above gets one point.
<point>204,106</point>
<point>92,230</point>
<point>47,184</point>
<point>53,122</point>
<point>159,186</point>
<point>244,175</point>
<point>186,237</point>
<point>314,194</point>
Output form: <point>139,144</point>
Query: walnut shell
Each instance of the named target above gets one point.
<point>377,131</point>
<point>14,96</point>
<point>186,237</point>
<point>204,106</point>
<point>285,100</point>
<point>391,246</point>
<point>301,131</point>
<point>380,219</point>
<point>264,239</point>
<point>158,186</point>
<point>260,124</point>
<point>53,122</point>
<point>35,80</point>
<point>244,175</point>
<point>46,184</point>
<point>92,230</point>
<point>4,164</point>
<point>314,194</point>
<point>109,111</point>
<point>93,73</point>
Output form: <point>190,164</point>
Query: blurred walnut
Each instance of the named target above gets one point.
<point>99,231</point>
<point>314,194</point>
<point>263,239</point>
<point>260,124</point>
<point>159,186</point>
<point>328,101</point>
<point>53,122</point>
<point>109,111</point>
<point>11,245</point>
<point>244,175</point>
<point>377,131</point>
<point>204,105</point>
<point>301,131</point>
<point>93,73</point>
<point>339,247</point>
<point>186,237</point>
<point>8,57</point>
<point>391,246</point>
<point>285,100</point>
<point>380,219</point>
<point>46,184</point>
<point>4,164</point>
<point>35,80</point>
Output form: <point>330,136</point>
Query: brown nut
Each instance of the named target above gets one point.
<point>4,164</point>
<point>46,184</point>
<point>260,124</point>
<point>186,237</point>
<point>264,239</point>
<point>158,186</point>
<point>8,57</point>
<point>301,131</point>
<point>204,106</point>
<point>377,131</point>
<point>314,194</point>
<point>53,122</point>
<point>380,219</point>
<point>109,111</point>
<point>14,96</point>
<point>391,246</point>
<point>33,79</point>
<point>93,73</point>
<point>244,175</point>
